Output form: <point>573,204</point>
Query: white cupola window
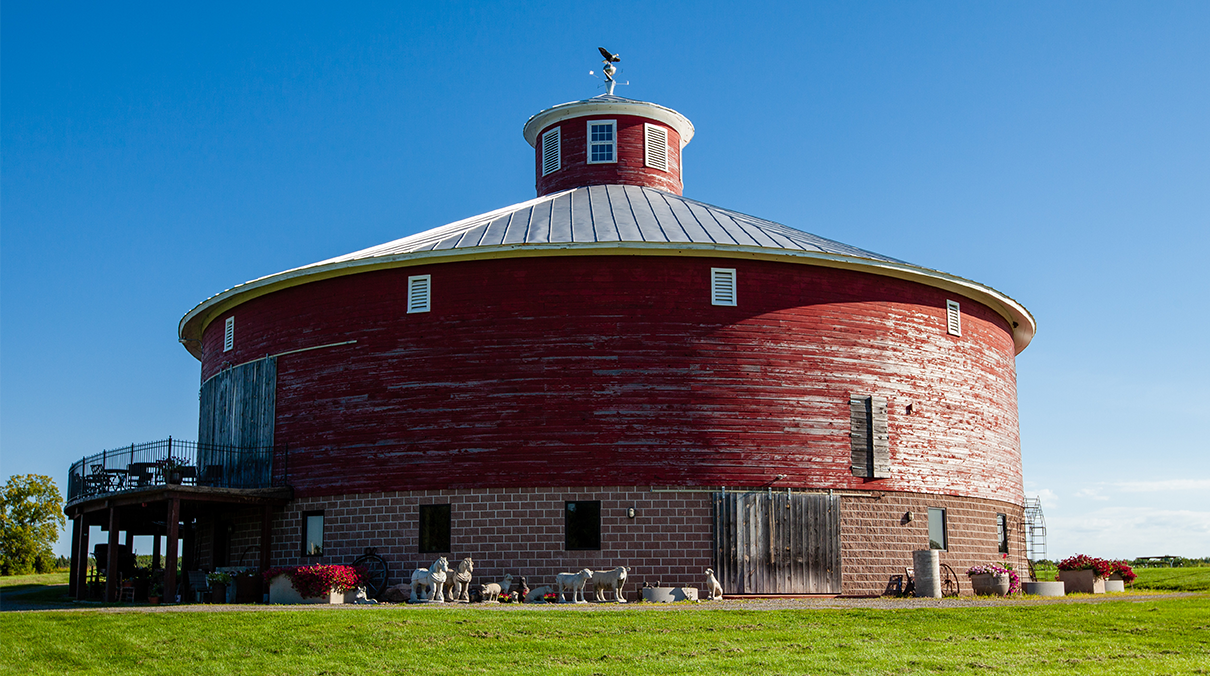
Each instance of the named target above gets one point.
<point>953,318</point>
<point>229,334</point>
<point>722,286</point>
<point>602,141</point>
<point>655,147</point>
<point>419,293</point>
<point>552,147</point>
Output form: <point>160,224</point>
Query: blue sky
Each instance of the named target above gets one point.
<point>153,155</point>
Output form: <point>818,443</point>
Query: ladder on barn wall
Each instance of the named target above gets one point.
<point>1035,529</point>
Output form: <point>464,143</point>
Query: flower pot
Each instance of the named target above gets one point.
<point>987,584</point>
<point>174,478</point>
<point>1048,588</point>
<point>153,600</point>
<point>1115,585</point>
<point>218,592</point>
<point>1082,582</point>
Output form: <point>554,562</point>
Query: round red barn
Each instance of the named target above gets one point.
<point>613,374</point>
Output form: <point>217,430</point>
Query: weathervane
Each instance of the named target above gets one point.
<point>609,70</point>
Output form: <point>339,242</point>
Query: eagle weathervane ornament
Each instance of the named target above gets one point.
<point>609,70</point>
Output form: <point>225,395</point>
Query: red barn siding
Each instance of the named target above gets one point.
<point>590,371</point>
<point>630,168</point>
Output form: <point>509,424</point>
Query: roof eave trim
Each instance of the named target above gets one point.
<point>194,323</point>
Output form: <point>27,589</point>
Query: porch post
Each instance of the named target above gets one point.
<point>174,518</point>
<point>155,550</point>
<point>266,536</point>
<point>80,565</point>
<point>111,563</point>
<point>75,556</point>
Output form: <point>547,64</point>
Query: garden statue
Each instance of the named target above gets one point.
<point>493,590</point>
<point>573,582</point>
<point>714,590</point>
<point>428,583</point>
<point>538,594</point>
<point>610,580</point>
<point>458,585</point>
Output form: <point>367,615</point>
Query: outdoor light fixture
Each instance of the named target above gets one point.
<point>630,512</point>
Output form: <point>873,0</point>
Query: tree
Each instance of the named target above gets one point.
<point>31,514</point>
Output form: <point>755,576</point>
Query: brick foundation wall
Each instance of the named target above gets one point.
<point>670,540</point>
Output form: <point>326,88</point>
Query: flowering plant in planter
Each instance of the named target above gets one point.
<point>314,581</point>
<point>1100,567</point>
<point>1014,580</point>
<point>218,578</point>
<point>1123,568</point>
<point>550,598</point>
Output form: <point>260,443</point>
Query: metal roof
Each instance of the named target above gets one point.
<point>607,220</point>
<point>610,213</point>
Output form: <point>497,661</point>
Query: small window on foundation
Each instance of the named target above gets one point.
<point>229,334</point>
<point>434,528</point>
<point>552,145</point>
<point>953,318</point>
<point>1002,532</point>
<point>722,286</point>
<point>937,539</point>
<point>582,525</point>
<point>313,534</point>
<point>419,293</point>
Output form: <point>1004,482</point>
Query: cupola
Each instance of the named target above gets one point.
<point>608,140</point>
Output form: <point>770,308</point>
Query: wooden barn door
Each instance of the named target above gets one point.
<point>777,543</point>
<point>238,408</point>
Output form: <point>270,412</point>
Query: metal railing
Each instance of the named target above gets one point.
<point>175,461</point>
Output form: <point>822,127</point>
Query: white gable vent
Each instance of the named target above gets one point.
<point>656,147</point>
<point>953,318</point>
<point>229,334</point>
<point>552,151</point>
<point>419,293</point>
<point>722,286</point>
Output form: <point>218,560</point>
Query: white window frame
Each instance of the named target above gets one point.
<point>655,135</point>
<point>953,318</point>
<point>549,167</point>
<point>613,124</point>
<point>229,334</point>
<point>715,275</point>
<point>415,282</point>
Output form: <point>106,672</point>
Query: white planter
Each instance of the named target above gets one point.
<point>669,594</point>
<point>281,590</point>
<point>1112,585</point>
<point>1082,582</point>
<point>1049,588</point>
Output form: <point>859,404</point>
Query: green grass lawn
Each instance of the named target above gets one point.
<point>1157,635</point>
<point>46,588</point>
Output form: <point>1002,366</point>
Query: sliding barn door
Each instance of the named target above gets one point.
<point>777,543</point>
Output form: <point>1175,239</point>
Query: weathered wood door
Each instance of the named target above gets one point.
<point>777,543</point>
<point>238,409</point>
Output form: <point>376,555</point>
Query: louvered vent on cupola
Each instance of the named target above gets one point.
<point>229,334</point>
<point>953,318</point>
<point>552,151</point>
<point>656,147</point>
<point>722,286</point>
<point>419,293</point>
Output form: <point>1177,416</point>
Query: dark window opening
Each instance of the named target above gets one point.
<point>434,528</point>
<point>868,437</point>
<point>1002,532</point>
<point>937,528</point>
<point>582,525</point>
<point>313,534</point>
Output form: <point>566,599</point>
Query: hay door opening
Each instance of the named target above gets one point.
<point>777,543</point>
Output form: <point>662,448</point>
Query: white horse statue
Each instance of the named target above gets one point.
<point>428,583</point>
<point>458,585</point>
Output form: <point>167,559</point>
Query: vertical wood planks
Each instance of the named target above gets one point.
<point>777,543</point>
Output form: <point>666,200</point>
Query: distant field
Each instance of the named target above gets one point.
<point>1157,579</point>
<point>23,580</point>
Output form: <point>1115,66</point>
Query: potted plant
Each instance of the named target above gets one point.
<point>1121,575</point>
<point>1084,574</point>
<point>314,584</point>
<point>155,592</point>
<point>994,580</point>
<point>170,468</point>
<point>218,586</point>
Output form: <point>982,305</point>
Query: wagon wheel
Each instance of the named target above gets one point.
<point>949,581</point>
<point>376,571</point>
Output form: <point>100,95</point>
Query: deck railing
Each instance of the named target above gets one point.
<point>176,461</point>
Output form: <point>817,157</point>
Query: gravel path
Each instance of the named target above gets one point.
<point>11,602</point>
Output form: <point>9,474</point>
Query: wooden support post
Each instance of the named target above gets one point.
<point>266,536</point>
<point>73,571</point>
<point>155,550</point>
<point>112,575</point>
<point>80,571</point>
<point>174,518</point>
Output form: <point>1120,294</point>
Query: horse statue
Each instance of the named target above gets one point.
<point>428,583</point>
<point>458,585</point>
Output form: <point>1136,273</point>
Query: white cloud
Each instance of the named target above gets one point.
<point>1128,532</point>
<point>1162,486</point>
<point>1048,497</point>
<point>1091,494</point>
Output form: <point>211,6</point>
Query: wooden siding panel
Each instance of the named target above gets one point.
<point>778,543</point>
